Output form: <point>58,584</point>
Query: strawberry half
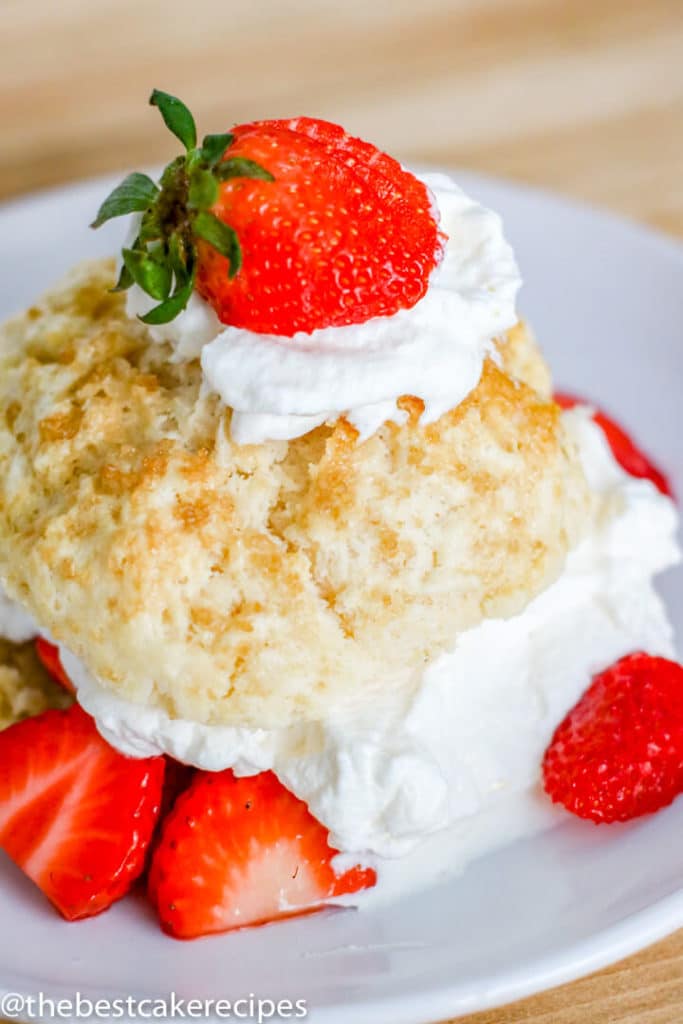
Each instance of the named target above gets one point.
<point>75,815</point>
<point>49,655</point>
<point>177,779</point>
<point>242,851</point>
<point>282,226</point>
<point>619,752</point>
<point>631,458</point>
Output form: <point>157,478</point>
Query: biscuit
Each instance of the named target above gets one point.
<point>265,584</point>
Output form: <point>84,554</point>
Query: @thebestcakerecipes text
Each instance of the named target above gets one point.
<point>20,1007</point>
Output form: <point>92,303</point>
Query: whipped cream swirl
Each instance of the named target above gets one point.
<point>280,387</point>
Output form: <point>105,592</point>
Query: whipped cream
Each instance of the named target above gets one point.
<point>428,778</point>
<point>280,388</point>
<point>16,624</point>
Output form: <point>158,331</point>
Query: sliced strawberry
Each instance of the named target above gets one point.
<point>567,401</point>
<point>619,752</point>
<point>75,815</point>
<point>177,779</point>
<point>631,458</point>
<point>242,851</point>
<point>49,655</point>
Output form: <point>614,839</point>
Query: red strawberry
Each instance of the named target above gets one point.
<point>283,226</point>
<point>75,815</point>
<point>630,458</point>
<point>242,851</point>
<point>619,752</point>
<point>176,780</point>
<point>342,234</point>
<point>49,655</point>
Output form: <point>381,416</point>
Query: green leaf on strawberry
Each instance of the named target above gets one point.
<point>153,275</point>
<point>175,214</point>
<point>169,309</point>
<point>203,190</point>
<point>177,117</point>
<point>214,146</point>
<point>135,193</point>
<point>221,237</point>
<point>239,167</point>
<point>125,280</point>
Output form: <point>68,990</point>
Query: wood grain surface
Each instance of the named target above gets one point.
<point>581,96</point>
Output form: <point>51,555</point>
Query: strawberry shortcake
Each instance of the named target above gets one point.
<point>321,570</point>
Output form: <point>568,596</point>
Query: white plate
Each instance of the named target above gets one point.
<point>606,298</point>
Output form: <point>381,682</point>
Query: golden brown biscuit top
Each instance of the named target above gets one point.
<point>263,584</point>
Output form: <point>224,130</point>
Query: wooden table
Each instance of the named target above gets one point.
<point>583,96</point>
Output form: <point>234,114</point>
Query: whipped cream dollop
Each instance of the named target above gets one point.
<point>472,737</point>
<point>280,387</point>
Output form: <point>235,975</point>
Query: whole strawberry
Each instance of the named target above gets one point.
<point>282,226</point>
<point>619,752</point>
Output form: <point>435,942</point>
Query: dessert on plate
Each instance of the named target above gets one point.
<point>310,586</point>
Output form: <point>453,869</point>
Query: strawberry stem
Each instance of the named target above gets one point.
<point>176,212</point>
